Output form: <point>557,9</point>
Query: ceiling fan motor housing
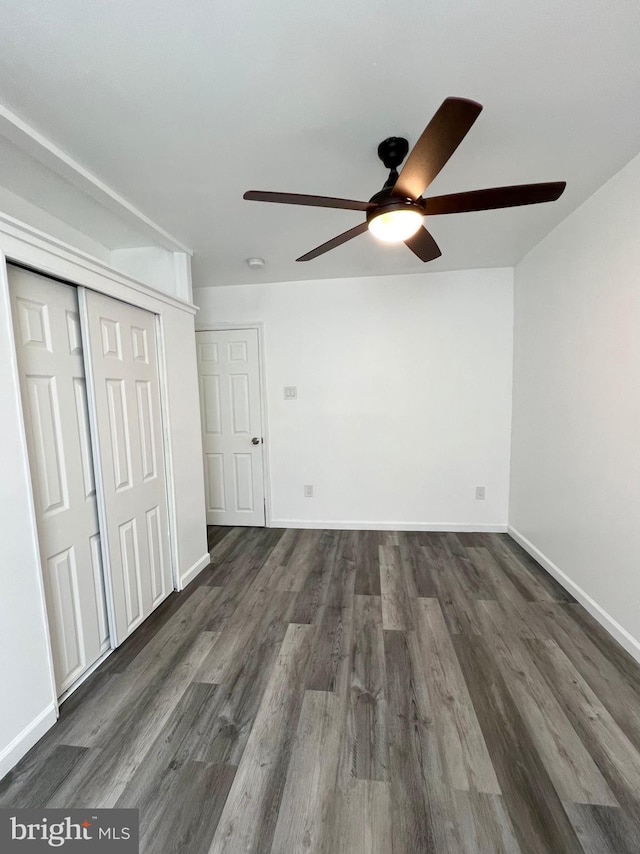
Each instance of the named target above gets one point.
<point>384,202</point>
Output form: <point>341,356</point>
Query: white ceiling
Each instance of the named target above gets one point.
<point>181,107</point>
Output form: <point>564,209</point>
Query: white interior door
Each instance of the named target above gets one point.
<point>128,446</point>
<point>52,379</point>
<point>229,368</point>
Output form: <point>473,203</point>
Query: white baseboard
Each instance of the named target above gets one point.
<point>194,570</point>
<point>23,742</point>
<point>614,628</point>
<point>359,525</point>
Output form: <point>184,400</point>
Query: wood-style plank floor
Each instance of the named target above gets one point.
<point>357,693</point>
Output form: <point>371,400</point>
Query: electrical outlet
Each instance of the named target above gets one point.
<point>290,392</point>
<point>308,490</point>
<point>479,493</point>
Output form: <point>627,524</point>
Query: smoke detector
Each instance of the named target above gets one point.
<point>255,263</point>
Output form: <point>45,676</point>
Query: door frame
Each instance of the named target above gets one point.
<point>169,476</point>
<point>258,325</point>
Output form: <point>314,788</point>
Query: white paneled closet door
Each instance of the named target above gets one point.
<point>128,445</point>
<point>229,368</point>
<point>52,379</point>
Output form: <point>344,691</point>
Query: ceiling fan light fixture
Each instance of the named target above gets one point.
<point>395,225</point>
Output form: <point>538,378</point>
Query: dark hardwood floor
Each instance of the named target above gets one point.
<point>354,692</point>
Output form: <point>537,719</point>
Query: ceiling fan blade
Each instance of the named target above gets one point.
<point>439,140</point>
<point>311,201</point>
<point>335,241</point>
<point>496,197</point>
<point>423,245</point>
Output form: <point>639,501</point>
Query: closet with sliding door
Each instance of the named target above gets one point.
<point>91,397</point>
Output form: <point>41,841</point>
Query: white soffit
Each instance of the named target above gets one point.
<point>43,174</point>
<point>179,108</point>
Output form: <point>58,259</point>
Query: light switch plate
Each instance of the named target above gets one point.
<point>290,392</point>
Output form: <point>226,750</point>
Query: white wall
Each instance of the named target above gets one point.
<point>575,481</point>
<point>15,206</point>
<point>404,396</point>
<point>157,267</point>
<point>185,441</point>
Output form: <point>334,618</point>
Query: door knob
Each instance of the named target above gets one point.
<point>255,441</point>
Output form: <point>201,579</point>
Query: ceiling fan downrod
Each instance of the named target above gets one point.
<point>392,152</point>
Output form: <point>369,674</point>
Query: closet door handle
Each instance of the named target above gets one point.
<point>255,441</point>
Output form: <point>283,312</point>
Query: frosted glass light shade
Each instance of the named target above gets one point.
<point>395,226</point>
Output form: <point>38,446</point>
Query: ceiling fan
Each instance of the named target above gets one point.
<point>395,214</point>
